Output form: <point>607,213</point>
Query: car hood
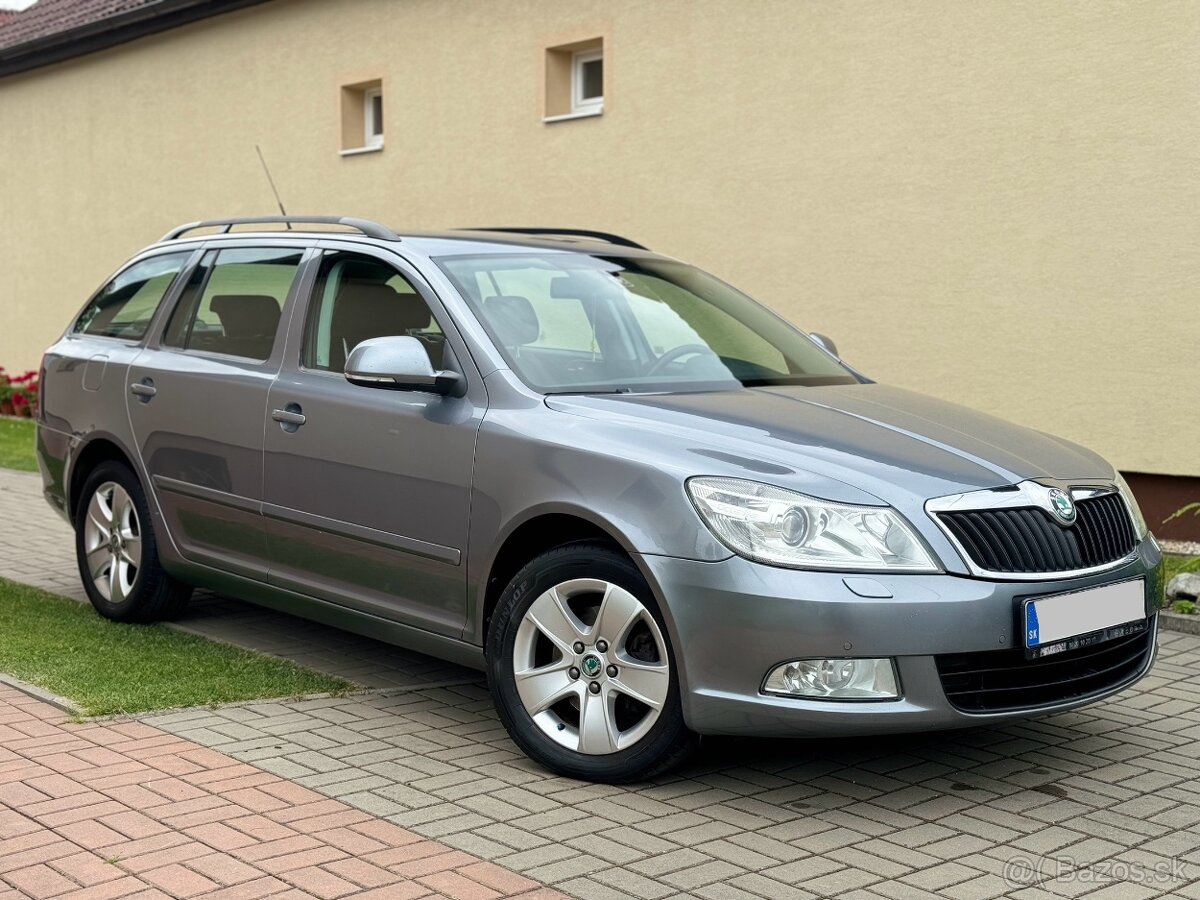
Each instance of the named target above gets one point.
<point>845,442</point>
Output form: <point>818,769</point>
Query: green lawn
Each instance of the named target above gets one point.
<point>16,444</point>
<point>106,668</point>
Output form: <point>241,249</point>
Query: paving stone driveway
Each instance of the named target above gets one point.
<point>1102,802</point>
<point>105,810</point>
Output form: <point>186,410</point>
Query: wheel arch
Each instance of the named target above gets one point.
<point>98,448</point>
<point>537,531</point>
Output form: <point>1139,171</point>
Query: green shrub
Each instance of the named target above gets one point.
<point>1185,607</point>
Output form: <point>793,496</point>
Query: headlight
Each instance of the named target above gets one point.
<point>783,528</point>
<point>1139,521</point>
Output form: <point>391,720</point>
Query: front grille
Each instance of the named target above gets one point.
<point>1027,539</point>
<point>999,680</point>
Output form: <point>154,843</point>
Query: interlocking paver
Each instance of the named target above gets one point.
<point>39,881</point>
<point>899,817</point>
<point>128,847</point>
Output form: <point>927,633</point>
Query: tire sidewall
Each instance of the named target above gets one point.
<point>127,610</point>
<point>549,569</point>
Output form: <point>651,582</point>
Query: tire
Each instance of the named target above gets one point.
<point>589,714</point>
<point>121,572</point>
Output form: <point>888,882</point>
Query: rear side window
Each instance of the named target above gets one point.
<point>124,307</point>
<point>233,303</point>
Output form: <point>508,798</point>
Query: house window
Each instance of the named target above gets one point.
<point>587,81</point>
<point>574,80</point>
<point>373,117</point>
<point>362,117</point>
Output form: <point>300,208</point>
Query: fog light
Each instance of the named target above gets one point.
<point>834,679</point>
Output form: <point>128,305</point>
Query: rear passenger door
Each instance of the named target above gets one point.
<point>198,397</point>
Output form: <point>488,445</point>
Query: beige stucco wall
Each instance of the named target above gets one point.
<point>998,203</point>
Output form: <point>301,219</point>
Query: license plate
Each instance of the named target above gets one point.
<point>1067,621</point>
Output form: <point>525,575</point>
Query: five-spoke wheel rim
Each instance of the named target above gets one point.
<point>591,666</point>
<point>112,539</point>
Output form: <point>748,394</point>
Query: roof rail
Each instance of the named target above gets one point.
<point>569,232</point>
<point>366,226</point>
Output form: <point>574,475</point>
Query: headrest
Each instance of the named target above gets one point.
<point>247,315</point>
<point>513,319</point>
<point>378,309</point>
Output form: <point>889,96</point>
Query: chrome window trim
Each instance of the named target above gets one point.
<point>1023,495</point>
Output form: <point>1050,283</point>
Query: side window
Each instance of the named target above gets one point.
<point>357,297</point>
<point>125,306</point>
<point>233,302</point>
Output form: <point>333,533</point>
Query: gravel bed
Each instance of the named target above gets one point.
<point>1181,548</point>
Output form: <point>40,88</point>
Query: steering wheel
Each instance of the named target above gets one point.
<point>676,353</point>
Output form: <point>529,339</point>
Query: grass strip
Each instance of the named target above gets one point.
<point>16,444</point>
<point>107,668</point>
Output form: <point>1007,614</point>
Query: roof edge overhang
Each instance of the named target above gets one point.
<point>111,31</point>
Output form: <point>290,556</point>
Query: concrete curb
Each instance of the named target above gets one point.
<point>1170,621</point>
<point>148,714</point>
<point>37,693</point>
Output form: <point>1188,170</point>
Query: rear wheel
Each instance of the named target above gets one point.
<point>581,668</point>
<point>117,552</point>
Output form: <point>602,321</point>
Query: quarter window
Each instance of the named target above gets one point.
<point>124,307</point>
<point>234,302</point>
<point>357,297</point>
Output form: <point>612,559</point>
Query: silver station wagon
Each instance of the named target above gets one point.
<point>648,507</point>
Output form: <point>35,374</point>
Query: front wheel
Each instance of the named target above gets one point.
<point>117,552</point>
<point>581,668</point>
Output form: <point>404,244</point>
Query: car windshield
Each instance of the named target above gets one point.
<point>572,323</point>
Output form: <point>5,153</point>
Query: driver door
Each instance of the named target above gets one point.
<point>366,490</point>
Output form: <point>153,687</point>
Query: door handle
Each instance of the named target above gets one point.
<point>144,390</point>
<point>290,418</point>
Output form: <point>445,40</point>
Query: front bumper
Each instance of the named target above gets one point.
<point>732,621</point>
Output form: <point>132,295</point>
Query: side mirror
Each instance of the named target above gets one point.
<point>399,363</point>
<point>825,343</point>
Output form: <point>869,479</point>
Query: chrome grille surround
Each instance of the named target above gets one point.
<point>1027,496</point>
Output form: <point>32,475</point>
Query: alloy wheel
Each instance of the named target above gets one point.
<point>113,542</point>
<point>591,666</point>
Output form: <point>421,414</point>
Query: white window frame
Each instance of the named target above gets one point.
<point>372,139</point>
<point>580,104</point>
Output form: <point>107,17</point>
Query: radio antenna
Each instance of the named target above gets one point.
<point>271,181</point>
